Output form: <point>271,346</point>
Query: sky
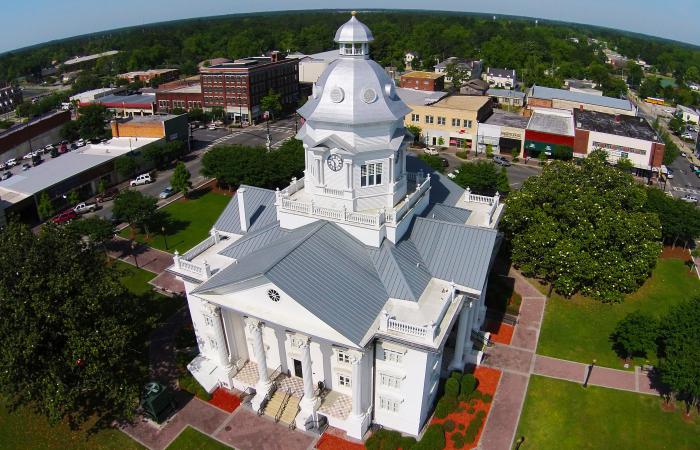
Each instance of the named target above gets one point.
<point>29,22</point>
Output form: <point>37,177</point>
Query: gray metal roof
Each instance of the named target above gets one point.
<point>446,213</point>
<point>260,204</point>
<point>401,269</point>
<point>579,97</point>
<point>442,189</point>
<point>251,242</point>
<point>353,31</point>
<point>305,263</point>
<point>418,97</point>
<point>453,252</point>
<point>510,93</point>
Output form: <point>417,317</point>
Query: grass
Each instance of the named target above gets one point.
<point>24,429</point>
<point>136,281</point>
<point>562,415</point>
<point>191,439</point>
<point>578,329</point>
<point>186,222</point>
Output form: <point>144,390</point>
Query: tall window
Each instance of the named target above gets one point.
<point>467,123</point>
<point>344,380</point>
<point>428,119</point>
<point>371,174</point>
<point>455,122</point>
<point>415,118</point>
<point>343,357</point>
<point>389,404</point>
<point>393,356</point>
<point>390,381</point>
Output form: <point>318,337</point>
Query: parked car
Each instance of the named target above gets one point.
<point>501,161</point>
<point>3,166</point>
<point>167,192</point>
<point>687,135</point>
<point>82,208</point>
<point>11,162</point>
<point>6,175</point>
<point>64,217</point>
<point>48,148</point>
<point>107,195</point>
<point>144,178</point>
<point>669,173</point>
<point>29,155</point>
<point>25,167</point>
<point>445,162</point>
<point>689,198</point>
<point>80,142</point>
<point>430,151</point>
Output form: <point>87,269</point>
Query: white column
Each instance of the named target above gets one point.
<point>348,174</point>
<point>255,330</point>
<point>218,334</point>
<point>458,357</point>
<point>310,403</point>
<point>356,383</point>
<point>306,371</point>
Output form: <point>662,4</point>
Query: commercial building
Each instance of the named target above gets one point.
<point>238,87</point>
<point>621,137</point>
<point>312,66</point>
<point>167,126</point>
<point>582,86</point>
<point>475,86</point>
<point>10,98</point>
<point>550,131</point>
<point>688,114</point>
<point>545,97</point>
<point>162,75</point>
<point>91,96</point>
<point>126,104</point>
<point>424,81</point>
<point>507,97</point>
<point>84,61</point>
<point>355,337</point>
<point>469,68</point>
<point>182,94</point>
<point>80,170</point>
<point>500,78</point>
<point>451,121</point>
<point>503,131</point>
<point>22,138</point>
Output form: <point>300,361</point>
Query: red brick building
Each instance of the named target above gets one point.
<point>239,86</point>
<point>182,94</point>
<point>38,132</point>
<point>423,81</point>
<point>163,75</point>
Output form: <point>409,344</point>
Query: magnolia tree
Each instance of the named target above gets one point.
<point>583,229</point>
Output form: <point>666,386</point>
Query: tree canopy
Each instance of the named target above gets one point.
<point>583,229</point>
<point>483,178</point>
<point>233,165</point>
<point>180,180</point>
<point>635,335</point>
<point>69,327</point>
<point>135,208</point>
<point>680,221</point>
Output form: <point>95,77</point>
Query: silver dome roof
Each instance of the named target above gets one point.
<point>353,31</point>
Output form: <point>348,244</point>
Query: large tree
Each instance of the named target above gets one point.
<point>680,352</point>
<point>680,221</point>
<point>91,121</point>
<point>135,208</point>
<point>635,335</point>
<point>180,181</point>
<point>483,177</point>
<point>69,328</point>
<point>583,229</point>
<point>271,103</point>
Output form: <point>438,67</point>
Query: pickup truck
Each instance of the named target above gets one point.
<point>82,208</point>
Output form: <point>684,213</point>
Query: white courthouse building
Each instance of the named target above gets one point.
<point>344,297</point>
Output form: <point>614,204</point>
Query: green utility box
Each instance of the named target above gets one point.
<point>158,401</point>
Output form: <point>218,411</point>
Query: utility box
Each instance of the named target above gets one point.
<point>158,401</point>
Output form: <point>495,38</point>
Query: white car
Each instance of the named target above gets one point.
<point>141,179</point>
<point>11,162</point>
<point>689,198</point>
<point>80,142</point>
<point>431,151</point>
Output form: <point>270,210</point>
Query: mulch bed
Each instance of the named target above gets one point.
<point>331,442</point>
<point>500,332</point>
<point>225,399</point>
<point>675,253</point>
<point>488,381</point>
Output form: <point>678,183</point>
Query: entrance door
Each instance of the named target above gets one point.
<point>297,368</point>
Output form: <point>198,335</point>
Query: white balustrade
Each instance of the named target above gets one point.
<point>334,192</point>
<point>200,248</point>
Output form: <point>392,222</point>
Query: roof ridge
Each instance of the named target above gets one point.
<point>462,225</point>
<point>314,228</point>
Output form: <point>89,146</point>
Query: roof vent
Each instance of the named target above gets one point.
<point>337,95</point>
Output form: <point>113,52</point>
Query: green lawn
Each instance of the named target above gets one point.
<point>187,222</point>
<point>24,429</point>
<point>563,415</point>
<point>191,439</point>
<point>579,328</point>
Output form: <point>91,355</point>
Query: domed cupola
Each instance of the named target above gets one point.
<point>353,90</point>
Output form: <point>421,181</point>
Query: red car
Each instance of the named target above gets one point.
<point>64,217</point>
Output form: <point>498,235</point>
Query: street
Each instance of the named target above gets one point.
<point>202,141</point>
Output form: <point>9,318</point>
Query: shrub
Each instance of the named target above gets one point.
<point>458,440</point>
<point>445,406</point>
<point>469,383</point>
<point>463,155</point>
<point>449,425</point>
<point>486,398</point>
<point>460,426</point>
<point>407,443</point>
<point>481,415</point>
<point>452,387</point>
<point>456,375</point>
<point>471,410</point>
<point>463,397</point>
<point>434,438</point>
<point>384,439</point>
<point>476,395</point>
<point>187,383</point>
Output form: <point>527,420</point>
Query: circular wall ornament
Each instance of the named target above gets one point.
<point>335,162</point>
<point>337,95</point>
<point>389,90</point>
<point>369,95</point>
<point>274,295</point>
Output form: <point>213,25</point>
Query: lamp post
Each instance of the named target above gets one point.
<point>133,253</point>
<point>269,139</point>
<point>519,442</point>
<point>588,375</point>
<point>165,238</point>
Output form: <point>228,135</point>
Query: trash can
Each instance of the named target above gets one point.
<point>157,402</point>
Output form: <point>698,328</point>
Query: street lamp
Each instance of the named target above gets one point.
<point>165,238</point>
<point>588,375</point>
<point>519,442</point>
<point>133,253</point>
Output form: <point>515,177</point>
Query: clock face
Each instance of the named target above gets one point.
<point>335,162</point>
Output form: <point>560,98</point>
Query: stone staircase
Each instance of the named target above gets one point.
<point>282,407</point>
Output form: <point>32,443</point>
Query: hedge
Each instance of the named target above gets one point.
<point>452,387</point>
<point>384,439</point>
<point>469,383</point>
<point>434,438</point>
<point>187,383</point>
<point>445,406</point>
<point>458,439</point>
<point>449,425</point>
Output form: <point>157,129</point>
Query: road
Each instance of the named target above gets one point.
<point>202,141</point>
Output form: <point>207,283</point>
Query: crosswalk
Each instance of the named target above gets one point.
<point>686,190</point>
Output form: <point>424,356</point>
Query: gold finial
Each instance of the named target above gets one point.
<point>353,13</point>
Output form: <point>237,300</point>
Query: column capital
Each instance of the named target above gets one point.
<point>301,341</point>
<point>211,309</point>
<point>355,357</point>
<point>253,324</point>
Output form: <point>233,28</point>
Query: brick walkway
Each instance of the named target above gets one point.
<point>149,259</point>
<point>518,361</point>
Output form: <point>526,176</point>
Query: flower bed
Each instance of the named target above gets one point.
<point>331,442</point>
<point>225,399</point>
<point>474,412</point>
<point>500,332</point>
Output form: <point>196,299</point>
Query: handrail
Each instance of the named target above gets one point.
<point>283,404</point>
